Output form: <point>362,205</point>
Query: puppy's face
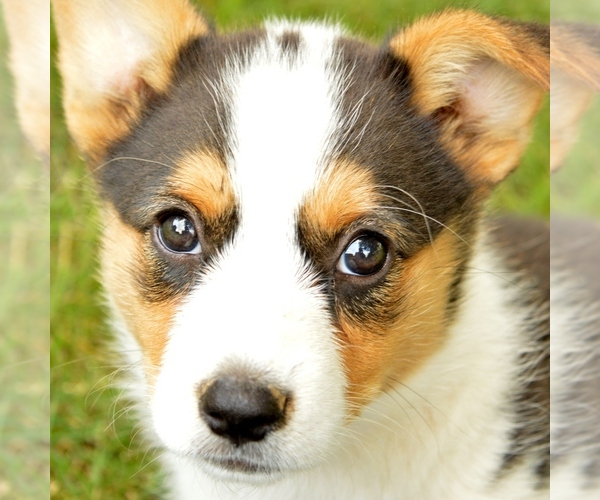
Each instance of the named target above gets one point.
<point>282,216</point>
<point>271,232</point>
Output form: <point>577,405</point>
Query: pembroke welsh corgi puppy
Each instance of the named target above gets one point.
<point>295,256</point>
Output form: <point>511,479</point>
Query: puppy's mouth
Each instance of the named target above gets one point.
<point>241,469</point>
<point>243,465</point>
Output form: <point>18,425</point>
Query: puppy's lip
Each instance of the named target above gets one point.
<point>242,465</point>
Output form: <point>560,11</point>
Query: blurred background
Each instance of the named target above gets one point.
<point>95,452</point>
<point>576,186</point>
<point>24,305</point>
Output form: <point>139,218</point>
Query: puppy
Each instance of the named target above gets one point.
<point>295,257</point>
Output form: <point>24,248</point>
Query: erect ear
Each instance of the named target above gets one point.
<point>575,77</point>
<point>115,57</point>
<point>28,26</point>
<point>482,79</point>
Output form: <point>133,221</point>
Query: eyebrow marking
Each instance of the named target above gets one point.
<point>202,178</point>
<point>344,193</point>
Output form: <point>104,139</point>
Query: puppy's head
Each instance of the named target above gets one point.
<point>287,210</point>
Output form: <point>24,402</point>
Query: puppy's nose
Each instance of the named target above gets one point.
<point>241,409</point>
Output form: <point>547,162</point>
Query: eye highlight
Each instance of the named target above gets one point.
<point>178,235</point>
<point>364,256</point>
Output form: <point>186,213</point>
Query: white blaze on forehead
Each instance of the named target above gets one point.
<point>283,113</point>
<point>255,306</point>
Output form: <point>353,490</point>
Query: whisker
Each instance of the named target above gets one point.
<point>432,219</point>
<point>404,398</point>
<point>426,220</point>
<point>133,158</point>
<point>497,275</point>
<point>406,386</point>
<point>147,464</point>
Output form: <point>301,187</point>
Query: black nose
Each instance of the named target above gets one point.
<point>241,409</point>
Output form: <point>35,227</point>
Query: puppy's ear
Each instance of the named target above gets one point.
<point>482,79</point>
<point>28,26</point>
<point>575,75</point>
<point>115,57</point>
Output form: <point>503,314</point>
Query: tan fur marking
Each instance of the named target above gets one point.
<point>344,193</point>
<point>104,93</point>
<point>376,355</point>
<point>373,353</point>
<point>149,322</point>
<point>202,179</point>
<point>442,47</point>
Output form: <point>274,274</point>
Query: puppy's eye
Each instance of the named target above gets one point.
<point>177,234</point>
<point>364,256</point>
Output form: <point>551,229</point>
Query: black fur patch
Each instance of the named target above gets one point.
<point>401,148</point>
<point>525,245</point>
<point>423,189</point>
<point>290,44</point>
<point>574,255</point>
<point>189,117</point>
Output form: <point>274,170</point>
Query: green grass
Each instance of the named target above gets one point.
<point>586,11</point>
<point>93,458</point>
<point>24,291</point>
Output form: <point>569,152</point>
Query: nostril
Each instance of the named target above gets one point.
<point>217,422</point>
<point>241,409</point>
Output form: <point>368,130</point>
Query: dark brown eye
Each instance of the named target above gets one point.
<point>364,256</point>
<point>177,234</point>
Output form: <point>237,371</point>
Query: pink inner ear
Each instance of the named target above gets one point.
<point>495,98</point>
<point>489,122</point>
<point>130,85</point>
<point>120,50</point>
